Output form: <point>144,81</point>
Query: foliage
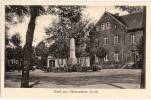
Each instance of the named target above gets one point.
<point>41,49</point>
<point>15,14</point>
<point>95,49</point>
<point>16,51</point>
<point>101,52</point>
<point>72,13</point>
<point>16,39</point>
<point>13,52</point>
<point>40,54</point>
<point>69,25</point>
<point>130,9</point>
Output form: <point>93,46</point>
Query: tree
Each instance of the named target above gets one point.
<point>101,52</point>
<point>6,40</point>
<point>92,48</point>
<point>41,50</point>
<point>13,50</point>
<point>95,49</point>
<point>20,12</point>
<point>16,40</point>
<point>70,23</point>
<point>34,11</point>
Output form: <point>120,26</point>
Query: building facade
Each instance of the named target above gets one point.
<point>119,35</point>
<point>56,62</point>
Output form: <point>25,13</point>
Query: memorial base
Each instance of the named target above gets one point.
<point>72,61</point>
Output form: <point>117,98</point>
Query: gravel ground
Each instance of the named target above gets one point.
<point>104,79</point>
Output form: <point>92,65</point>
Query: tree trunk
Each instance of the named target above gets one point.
<point>28,47</point>
<point>143,67</point>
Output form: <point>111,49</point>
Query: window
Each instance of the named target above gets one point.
<point>16,61</point>
<point>106,58</point>
<point>61,61</point>
<point>108,25</point>
<point>133,39</point>
<point>115,26</point>
<point>11,61</point>
<point>116,57</point>
<point>134,56</point>
<point>106,40</point>
<point>105,26</point>
<point>85,60</point>
<point>134,20</point>
<point>81,61</point>
<point>102,26</point>
<point>97,28</point>
<point>116,39</point>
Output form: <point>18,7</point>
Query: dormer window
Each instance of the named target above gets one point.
<point>115,26</point>
<point>97,29</point>
<point>103,26</point>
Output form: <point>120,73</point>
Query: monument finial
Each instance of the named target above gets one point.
<point>105,9</point>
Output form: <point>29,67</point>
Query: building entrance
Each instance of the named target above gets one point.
<point>51,63</point>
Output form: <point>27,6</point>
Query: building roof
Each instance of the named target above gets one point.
<point>132,21</point>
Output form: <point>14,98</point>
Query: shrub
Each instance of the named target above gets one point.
<point>49,69</point>
<point>55,69</point>
<point>61,69</point>
<point>79,67</point>
<point>94,67</point>
<point>84,69</point>
<point>74,68</point>
<point>112,66</point>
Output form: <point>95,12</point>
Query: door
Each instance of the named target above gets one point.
<point>52,63</point>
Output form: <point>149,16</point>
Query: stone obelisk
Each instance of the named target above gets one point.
<point>72,58</point>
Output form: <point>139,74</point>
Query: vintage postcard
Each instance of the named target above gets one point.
<point>75,49</point>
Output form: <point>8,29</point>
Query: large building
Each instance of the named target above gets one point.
<point>119,35</point>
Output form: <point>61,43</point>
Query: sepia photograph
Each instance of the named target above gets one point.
<point>75,46</point>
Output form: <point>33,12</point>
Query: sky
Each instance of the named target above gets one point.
<point>93,13</point>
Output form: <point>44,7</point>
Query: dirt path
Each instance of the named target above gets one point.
<point>109,78</point>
